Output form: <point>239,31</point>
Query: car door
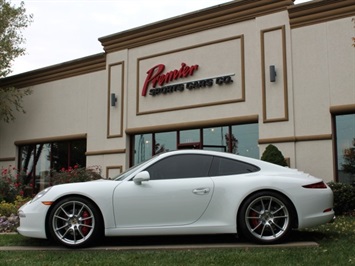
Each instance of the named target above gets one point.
<point>178,193</point>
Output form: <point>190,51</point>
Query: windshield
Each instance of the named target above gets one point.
<point>129,171</point>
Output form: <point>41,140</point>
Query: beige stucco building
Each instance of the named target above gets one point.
<point>234,77</point>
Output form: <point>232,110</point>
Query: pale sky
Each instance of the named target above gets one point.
<point>64,30</point>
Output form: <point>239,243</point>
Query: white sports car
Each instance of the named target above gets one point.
<point>182,192</point>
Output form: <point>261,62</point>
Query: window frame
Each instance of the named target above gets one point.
<point>202,144</point>
<point>337,113</point>
<point>30,168</point>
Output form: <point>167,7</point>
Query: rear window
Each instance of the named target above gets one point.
<point>222,166</point>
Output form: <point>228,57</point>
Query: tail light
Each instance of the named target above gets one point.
<point>316,185</point>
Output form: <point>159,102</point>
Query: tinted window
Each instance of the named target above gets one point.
<point>244,140</point>
<point>181,166</point>
<point>223,166</point>
<point>39,159</point>
<point>345,143</point>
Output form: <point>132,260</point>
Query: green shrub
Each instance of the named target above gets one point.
<point>10,184</point>
<point>9,219</point>
<point>344,198</point>
<point>6,208</point>
<point>75,174</point>
<point>273,155</point>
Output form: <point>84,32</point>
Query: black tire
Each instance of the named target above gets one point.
<point>265,217</point>
<point>75,222</point>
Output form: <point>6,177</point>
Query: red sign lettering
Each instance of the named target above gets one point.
<point>156,77</point>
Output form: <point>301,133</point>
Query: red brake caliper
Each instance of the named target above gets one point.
<point>254,222</point>
<point>85,229</point>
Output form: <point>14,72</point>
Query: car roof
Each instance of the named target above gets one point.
<point>205,152</point>
<point>261,164</point>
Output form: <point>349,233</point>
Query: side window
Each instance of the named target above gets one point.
<point>181,166</point>
<point>223,166</point>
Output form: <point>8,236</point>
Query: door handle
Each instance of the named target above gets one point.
<point>201,191</point>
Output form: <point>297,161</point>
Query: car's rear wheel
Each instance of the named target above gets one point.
<point>75,222</point>
<point>266,217</point>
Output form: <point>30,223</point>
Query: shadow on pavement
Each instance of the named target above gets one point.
<point>297,239</point>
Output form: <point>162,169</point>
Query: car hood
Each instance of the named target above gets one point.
<point>82,186</point>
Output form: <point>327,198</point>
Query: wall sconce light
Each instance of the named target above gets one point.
<point>272,73</point>
<point>113,99</point>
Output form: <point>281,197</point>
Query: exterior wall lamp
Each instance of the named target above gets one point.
<point>272,73</point>
<point>113,99</point>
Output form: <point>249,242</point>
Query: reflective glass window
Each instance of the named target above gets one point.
<point>60,155</point>
<point>77,149</point>
<point>142,148</point>
<point>215,138</point>
<point>43,166</point>
<point>244,140</point>
<point>28,153</point>
<point>237,139</point>
<point>165,141</point>
<point>345,143</point>
<point>36,161</point>
<point>189,136</point>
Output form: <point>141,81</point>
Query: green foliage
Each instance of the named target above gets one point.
<point>344,198</point>
<point>6,208</point>
<point>10,184</point>
<point>349,159</point>
<point>12,21</point>
<point>9,220</point>
<point>76,174</point>
<point>10,99</point>
<point>273,155</point>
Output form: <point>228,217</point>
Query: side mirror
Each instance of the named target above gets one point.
<point>140,177</point>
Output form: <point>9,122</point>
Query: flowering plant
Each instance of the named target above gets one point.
<point>10,184</point>
<point>76,174</point>
<point>9,219</point>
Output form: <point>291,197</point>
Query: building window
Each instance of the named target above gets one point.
<point>247,137</point>
<point>237,139</point>
<point>165,141</point>
<point>143,147</point>
<point>345,148</point>
<point>37,160</point>
<point>216,138</point>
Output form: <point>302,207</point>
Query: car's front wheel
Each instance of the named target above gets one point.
<point>266,217</point>
<point>75,222</point>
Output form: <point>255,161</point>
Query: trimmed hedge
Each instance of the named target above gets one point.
<point>273,155</point>
<point>344,198</point>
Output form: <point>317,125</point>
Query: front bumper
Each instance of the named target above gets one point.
<point>32,220</point>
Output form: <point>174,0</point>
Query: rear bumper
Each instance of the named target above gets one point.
<point>318,219</point>
<point>332,220</point>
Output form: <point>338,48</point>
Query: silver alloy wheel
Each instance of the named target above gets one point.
<point>267,218</point>
<point>73,222</point>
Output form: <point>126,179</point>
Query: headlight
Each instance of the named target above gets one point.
<point>41,194</point>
